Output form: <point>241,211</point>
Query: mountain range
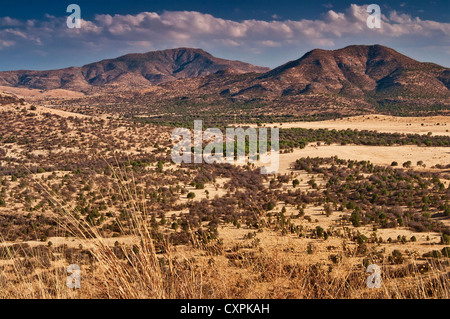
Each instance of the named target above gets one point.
<point>354,79</point>
<point>131,70</point>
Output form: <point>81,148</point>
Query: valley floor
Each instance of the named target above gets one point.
<point>437,125</point>
<point>103,193</point>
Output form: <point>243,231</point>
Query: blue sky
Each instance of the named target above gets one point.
<point>34,35</point>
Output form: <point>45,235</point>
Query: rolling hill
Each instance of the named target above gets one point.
<point>7,99</point>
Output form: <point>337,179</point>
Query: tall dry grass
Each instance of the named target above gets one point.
<point>142,272</point>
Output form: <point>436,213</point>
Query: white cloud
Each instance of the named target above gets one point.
<point>270,43</point>
<point>275,16</point>
<point>9,22</point>
<point>5,44</point>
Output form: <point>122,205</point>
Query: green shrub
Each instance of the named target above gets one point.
<point>433,254</point>
<point>396,257</point>
<point>445,239</point>
<point>191,195</point>
<point>355,219</point>
<point>446,252</point>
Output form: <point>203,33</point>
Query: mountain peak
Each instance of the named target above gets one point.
<point>363,59</point>
<point>133,70</point>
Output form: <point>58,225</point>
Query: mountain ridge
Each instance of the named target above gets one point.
<point>357,79</point>
<point>134,69</point>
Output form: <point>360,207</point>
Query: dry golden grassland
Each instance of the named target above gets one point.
<point>103,194</point>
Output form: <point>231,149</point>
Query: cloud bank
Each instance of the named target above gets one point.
<point>247,40</point>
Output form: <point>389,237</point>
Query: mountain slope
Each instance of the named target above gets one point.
<point>129,71</point>
<point>356,71</point>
